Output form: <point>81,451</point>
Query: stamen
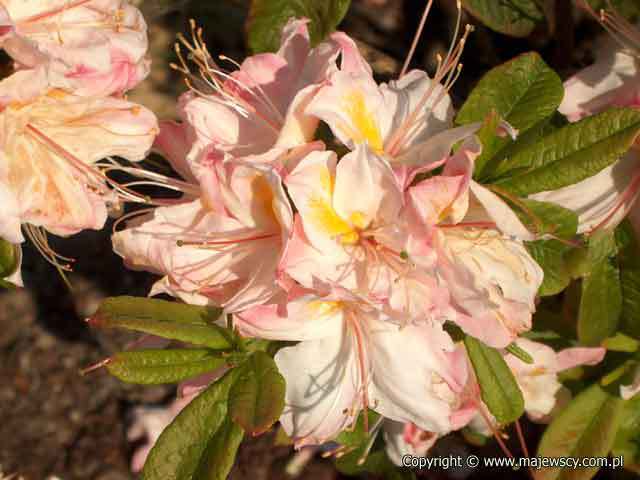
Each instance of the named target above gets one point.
<point>39,239</point>
<point>623,32</point>
<point>447,69</point>
<point>416,37</point>
<point>213,243</point>
<point>211,76</point>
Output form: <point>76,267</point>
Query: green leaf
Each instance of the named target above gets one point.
<point>550,255</point>
<point>176,321</point>
<point>268,17</point>
<point>585,428</point>
<point>10,256</point>
<point>498,388</point>
<point>519,353</point>
<point>159,310</point>
<point>629,263</point>
<point>627,442</point>
<point>621,343</point>
<point>220,452</point>
<point>601,300</point>
<point>517,18</point>
<point>152,367</point>
<point>256,398</point>
<point>185,450</point>
<point>523,91</point>
<point>572,153</point>
<point>549,218</point>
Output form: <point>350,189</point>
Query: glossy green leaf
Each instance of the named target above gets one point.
<point>158,310</point>
<point>601,299</point>
<point>621,343</point>
<point>10,256</point>
<point>572,153</point>
<point>176,321</point>
<point>162,366</point>
<point>627,442</point>
<point>546,218</point>
<point>517,18</point>
<point>551,256</point>
<point>586,427</point>
<point>185,450</point>
<point>220,453</point>
<point>256,398</point>
<point>629,264</point>
<point>523,91</point>
<point>267,17</point>
<point>498,388</point>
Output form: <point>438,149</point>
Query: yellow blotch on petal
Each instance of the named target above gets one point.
<point>364,124</point>
<point>263,196</point>
<point>321,308</point>
<point>359,220</point>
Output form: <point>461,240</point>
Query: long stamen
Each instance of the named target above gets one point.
<point>39,239</point>
<point>213,243</point>
<point>416,38</point>
<point>448,70</point>
<point>212,76</point>
<point>623,32</point>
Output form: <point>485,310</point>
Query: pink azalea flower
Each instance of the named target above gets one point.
<point>355,241</point>
<point>257,110</point>
<point>543,396</point>
<point>352,357</point>
<point>473,241</point>
<point>405,122</point>
<point>89,47</point>
<point>49,150</point>
<point>225,255</point>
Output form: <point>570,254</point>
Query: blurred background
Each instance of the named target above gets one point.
<point>57,424</point>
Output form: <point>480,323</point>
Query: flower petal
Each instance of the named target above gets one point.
<point>422,394</point>
<point>322,385</point>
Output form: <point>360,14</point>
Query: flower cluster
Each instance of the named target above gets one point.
<point>63,111</point>
<point>333,215</point>
<point>361,253</point>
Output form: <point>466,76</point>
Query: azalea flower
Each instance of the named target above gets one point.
<point>88,47</point>
<point>223,256</point>
<point>407,121</point>
<point>603,200</point>
<point>257,110</point>
<point>351,357</point>
<point>356,241</point>
<point>473,240</point>
<point>49,147</point>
